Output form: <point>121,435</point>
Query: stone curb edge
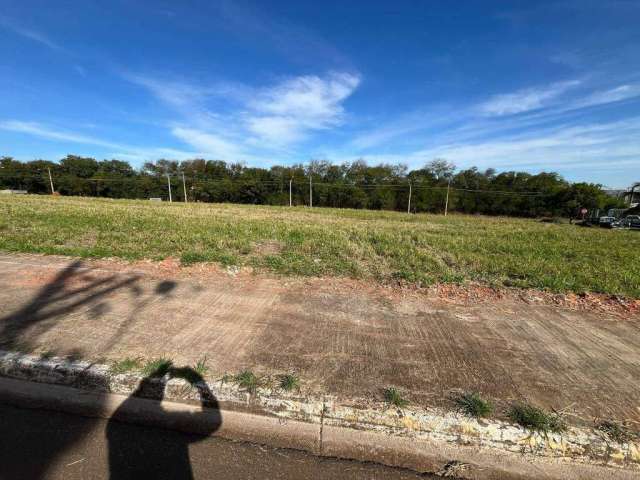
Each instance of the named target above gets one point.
<point>422,440</point>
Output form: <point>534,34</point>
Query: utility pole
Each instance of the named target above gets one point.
<point>409,203</point>
<point>446,203</point>
<point>51,181</point>
<point>290,196</point>
<point>169,183</point>
<point>184,188</point>
<point>310,191</point>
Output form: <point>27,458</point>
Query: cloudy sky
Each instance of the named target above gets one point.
<point>510,85</point>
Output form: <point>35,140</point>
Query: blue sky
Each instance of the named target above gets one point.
<point>510,85</point>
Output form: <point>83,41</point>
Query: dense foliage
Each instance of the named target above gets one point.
<point>350,185</point>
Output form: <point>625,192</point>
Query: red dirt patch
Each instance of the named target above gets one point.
<point>594,302</point>
<point>467,294</point>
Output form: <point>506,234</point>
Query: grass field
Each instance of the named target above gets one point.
<point>384,246</point>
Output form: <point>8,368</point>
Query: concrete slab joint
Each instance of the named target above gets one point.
<point>380,434</point>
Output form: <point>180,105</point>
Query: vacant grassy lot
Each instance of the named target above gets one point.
<point>380,245</point>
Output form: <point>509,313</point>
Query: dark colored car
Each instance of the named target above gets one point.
<point>632,221</point>
<point>607,222</point>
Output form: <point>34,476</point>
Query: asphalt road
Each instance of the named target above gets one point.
<point>37,444</point>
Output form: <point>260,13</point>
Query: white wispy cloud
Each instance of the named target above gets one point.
<point>277,131</point>
<point>617,94</point>
<point>537,108</point>
<point>119,150</point>
<point>80,70</point>
<point>413,124</point>
<point>209,143</point>
<point>43,131</point>
<point>575,150</point>
<point>526,99</point>
<point>293,41</point>
<point>284,113</point>
<point>172,92</point>
<point>577,146</point>
<point>313,99</point>
<point>28,33</point>
<point>233,118</point>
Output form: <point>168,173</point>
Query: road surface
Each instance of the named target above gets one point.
<point>37,444</point>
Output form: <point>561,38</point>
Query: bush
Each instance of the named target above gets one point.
<point>126,365</point>
<point>536,419</point>
<point>158,367</point>
<point>393,397</point>
<point>247,380</point>
<point>617,432</point>
<point>289,382</point>
<point>472,404</point>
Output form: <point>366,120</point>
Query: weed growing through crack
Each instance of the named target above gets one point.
<point>47,355</point>
<point>193,374</point>
<point>616,431</point>
<point>472,404</point>
<point>126,365</point>
<point>289,382</point>
<point>201,367</point>
<point>157,367</point>
<point>393,397</point>
<point>536,419</point>
<point>247,380</point>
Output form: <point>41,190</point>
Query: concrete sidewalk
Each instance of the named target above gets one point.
<point>343,337</point>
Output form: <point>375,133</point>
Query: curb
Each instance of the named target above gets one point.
<point>418,440</point>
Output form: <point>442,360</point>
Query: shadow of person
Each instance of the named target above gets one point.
<point>72,289</point>
<point>136,452</point>
<point>30,448</point>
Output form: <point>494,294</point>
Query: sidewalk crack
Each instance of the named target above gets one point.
<point>324,404</point>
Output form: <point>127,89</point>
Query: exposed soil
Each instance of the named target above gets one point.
<point>577,354</point>
<point>461,294</point>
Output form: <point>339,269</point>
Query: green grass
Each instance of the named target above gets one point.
<point>47,355</point>
<point>247,380</point>
<point>393,397</point>
<point>126,365</point>
<point>157,367</point>
<point>289,382</point>
<point>193,374</point>
<point>201,367</point>
<point>472,404</point>
<point>617,432</point>
<point>383,246</point>
<point>536,419</point>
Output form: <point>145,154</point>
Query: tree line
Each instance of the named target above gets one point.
<point>349,185</point>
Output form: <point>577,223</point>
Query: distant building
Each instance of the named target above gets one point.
<point>13,192</point>
<point>632,195</point>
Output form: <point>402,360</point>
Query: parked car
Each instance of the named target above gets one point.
<point>607,222</point>
<point>631,221</point>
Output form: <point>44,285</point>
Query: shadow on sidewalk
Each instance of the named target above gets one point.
<point>38,444</point>
<point>75,288</point>
<point>159,456</point>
